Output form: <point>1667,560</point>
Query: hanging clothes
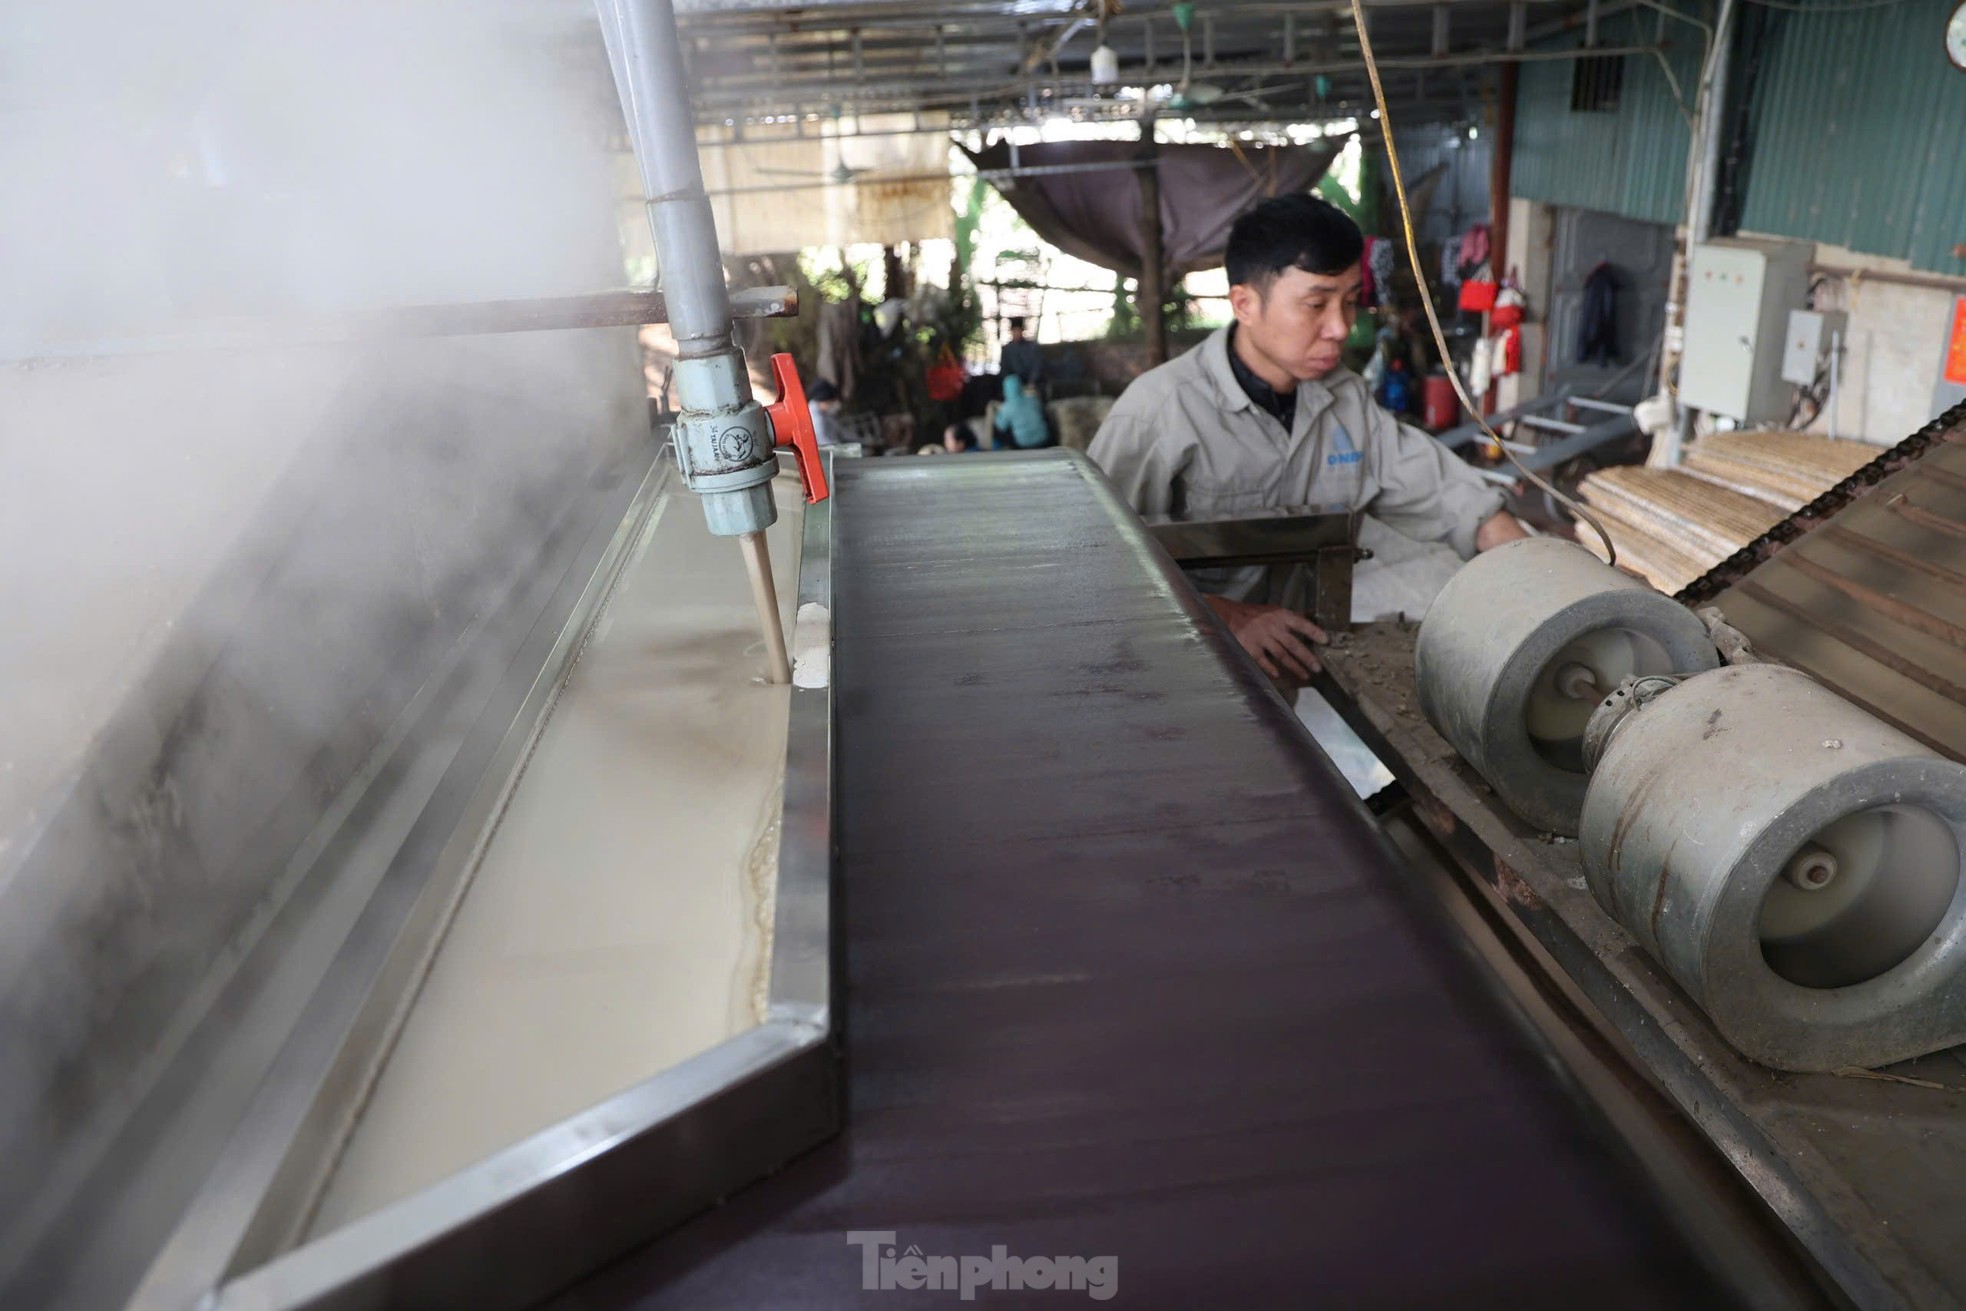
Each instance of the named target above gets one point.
<point>1597,323</point>
<point>1379,263</point>
<point>1450,262</point>
<point>839,344</point>
<point>1481,367</point>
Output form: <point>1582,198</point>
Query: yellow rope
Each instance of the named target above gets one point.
<point>1427,301</point>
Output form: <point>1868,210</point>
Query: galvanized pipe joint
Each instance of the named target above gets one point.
<point>1793,862</point>
<point>1521,646</point>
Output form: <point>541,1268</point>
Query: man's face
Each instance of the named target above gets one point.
<point>1300,325</point>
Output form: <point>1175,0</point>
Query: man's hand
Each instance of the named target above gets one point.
<point>1497,528</point>
<point>1281,641</point>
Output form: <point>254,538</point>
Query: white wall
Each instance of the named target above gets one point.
<point>1894,348</point>
<point>1531,249</point>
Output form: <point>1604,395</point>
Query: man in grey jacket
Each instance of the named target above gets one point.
<point>1264,419</point>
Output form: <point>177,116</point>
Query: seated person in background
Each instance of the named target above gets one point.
<point>1264,419</point>
<point>1022,359</point>
<point>957,439</point>
<point>823,403</point>
<point>1020,416</point>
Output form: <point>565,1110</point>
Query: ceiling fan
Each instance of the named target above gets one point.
<point>841,174</point>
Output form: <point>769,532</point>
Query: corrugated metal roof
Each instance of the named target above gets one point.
<point>1630,162</point>
<point>1858,134</point>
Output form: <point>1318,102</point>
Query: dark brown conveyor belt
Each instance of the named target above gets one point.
<point>1130,971</point>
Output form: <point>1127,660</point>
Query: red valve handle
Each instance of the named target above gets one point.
<point>791,425</point>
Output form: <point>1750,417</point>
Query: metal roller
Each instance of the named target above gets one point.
<point>1520,647</point>
<point>1793,862</point>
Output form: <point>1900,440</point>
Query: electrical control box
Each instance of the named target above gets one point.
<point>1812,335</point>
<point>1738,298</point>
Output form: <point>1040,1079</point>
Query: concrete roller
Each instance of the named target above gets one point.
<point>1520,647</point>
<point>1794,863</point>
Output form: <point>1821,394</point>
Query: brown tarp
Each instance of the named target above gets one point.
<point>1095,213</point>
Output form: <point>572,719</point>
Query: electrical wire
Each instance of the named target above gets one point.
<point>1427,300</point>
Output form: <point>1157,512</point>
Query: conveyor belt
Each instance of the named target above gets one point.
<point>1865,588</point>
<point>1130,972</point>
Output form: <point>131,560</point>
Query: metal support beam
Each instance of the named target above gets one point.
<point>985,14</point>
<point>1152,294</point>
<point>1699,223</point>
<point>761,88</point>
<point>1518,19</point>
<point>1440,31</point>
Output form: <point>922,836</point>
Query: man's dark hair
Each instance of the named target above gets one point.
<point>1291,232</point>
<point>822,389</point>
<point>1017,323</point>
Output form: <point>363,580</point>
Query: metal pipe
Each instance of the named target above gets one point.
<point>1934,281</point>
<point>902,179</point>
<point>1699,223</point>
<point>648,61</point>
<point>1153,273</point>
<point>1835,354</point>
<point>706,17</point>
<point>724,443</point>
<point>612,309</point>
<point>1713,123</point>
<point>1501,162</point>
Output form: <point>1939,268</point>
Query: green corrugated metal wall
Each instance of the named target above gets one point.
<point>1631,162</point>
<point>1860,134</point>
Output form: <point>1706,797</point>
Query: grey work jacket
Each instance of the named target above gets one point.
<point>1186,442</point>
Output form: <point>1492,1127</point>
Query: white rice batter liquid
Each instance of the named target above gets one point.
<point>620,920</point>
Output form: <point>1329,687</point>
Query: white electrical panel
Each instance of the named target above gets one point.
<point>1805,351</point>
<point>1738,299</point>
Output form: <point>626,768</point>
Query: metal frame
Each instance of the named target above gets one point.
<point>1573,438</point>
<point>1326,542</point>
<point>767,57</point>
<point>1819,1150</point>
<point>532,1217</point>
<point>607,309</point>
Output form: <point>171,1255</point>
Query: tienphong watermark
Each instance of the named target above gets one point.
<point>883,1269</point>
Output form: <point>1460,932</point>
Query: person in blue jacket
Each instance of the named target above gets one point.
<point>1020,416</point>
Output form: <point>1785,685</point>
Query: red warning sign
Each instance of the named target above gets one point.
<point>1956,345</point>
